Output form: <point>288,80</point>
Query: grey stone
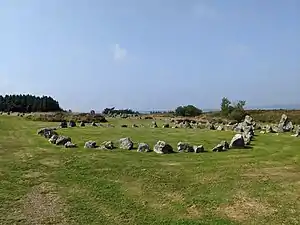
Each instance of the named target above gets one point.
<point>198,149</point>
<point>63,124</point>
<point>94,124</point>
<point>107,145</point>
<point>90,144</point>
<point>161,147</point>
<point>220,128</point>
<point>223,146</point>
<point>82,124</point>
<point>126,143</point>
<point>166,125</point>
<point>124,125</point>
<point>47,132</point>
<point>53,139</point>
<point>284,124</point>
<point>61,140</point>
<point>154,125</point>
<point>134,126</point>
<point>210,126</point>
<point>143,147</point>
<point>69,144</point>
<point>184,147</point>
<point>237,141</point>
<point>72,123</point>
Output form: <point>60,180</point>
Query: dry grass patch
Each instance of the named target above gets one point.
<point>50,162</point>
<point>244,208</point>
<point>277,173</point>
<point>193,212</point>
<point>41,205</point>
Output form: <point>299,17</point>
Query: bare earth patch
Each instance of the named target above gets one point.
<point>244,208</point>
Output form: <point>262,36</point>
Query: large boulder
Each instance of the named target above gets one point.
<point>82,124</point>
<point>161,147</point>
<point>126,143</point>
<point>72,123</point>
<point>184,147</point>
<point>93,124</point>
<point>198,149</point>
<point>90,144</point>
<point>285,125</point>
<point>237,141</point>
<point>63,124</point>
<point>47,132</point>
<point>143,147</point>
<point>62,140</point>
<point>223,146</point>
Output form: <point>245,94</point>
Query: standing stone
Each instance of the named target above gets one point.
<point>166,125</point>
<point>162,147</point>
<point>248,120</point>
<point>237,141</point>
<point>284,124</point>
<point>134,126</point>
<point>90,144</point>
<point>124,125</point>
<point>72,123</point>
<point>223,146</point>
<point>126,143</point>
<point>61,140</point>
<point>154,125</point>
<point>198,149</point>
<point>143,147</point>
<point>82,124</point>
<point>93,124</point>
<point>184,147</point>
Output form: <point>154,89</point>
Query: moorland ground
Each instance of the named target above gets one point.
<point>42,183</point>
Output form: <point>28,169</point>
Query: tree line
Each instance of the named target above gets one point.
<point>28,103</point>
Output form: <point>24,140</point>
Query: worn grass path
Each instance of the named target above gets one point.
<point>45,184</point>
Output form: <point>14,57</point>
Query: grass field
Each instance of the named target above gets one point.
<point>45,184</point>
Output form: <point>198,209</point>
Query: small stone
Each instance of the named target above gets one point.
<point>143,147</point>
<point>69,144</point>
<point>90,144</point>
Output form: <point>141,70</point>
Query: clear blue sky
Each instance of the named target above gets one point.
<point>151,54</point>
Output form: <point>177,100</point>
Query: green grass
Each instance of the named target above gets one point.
<point>46,184</point>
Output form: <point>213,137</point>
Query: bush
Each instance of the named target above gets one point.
<point>237,114</point>
<point>188,110</point>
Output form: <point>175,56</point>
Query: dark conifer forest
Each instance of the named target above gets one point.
<point>28,103</point>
